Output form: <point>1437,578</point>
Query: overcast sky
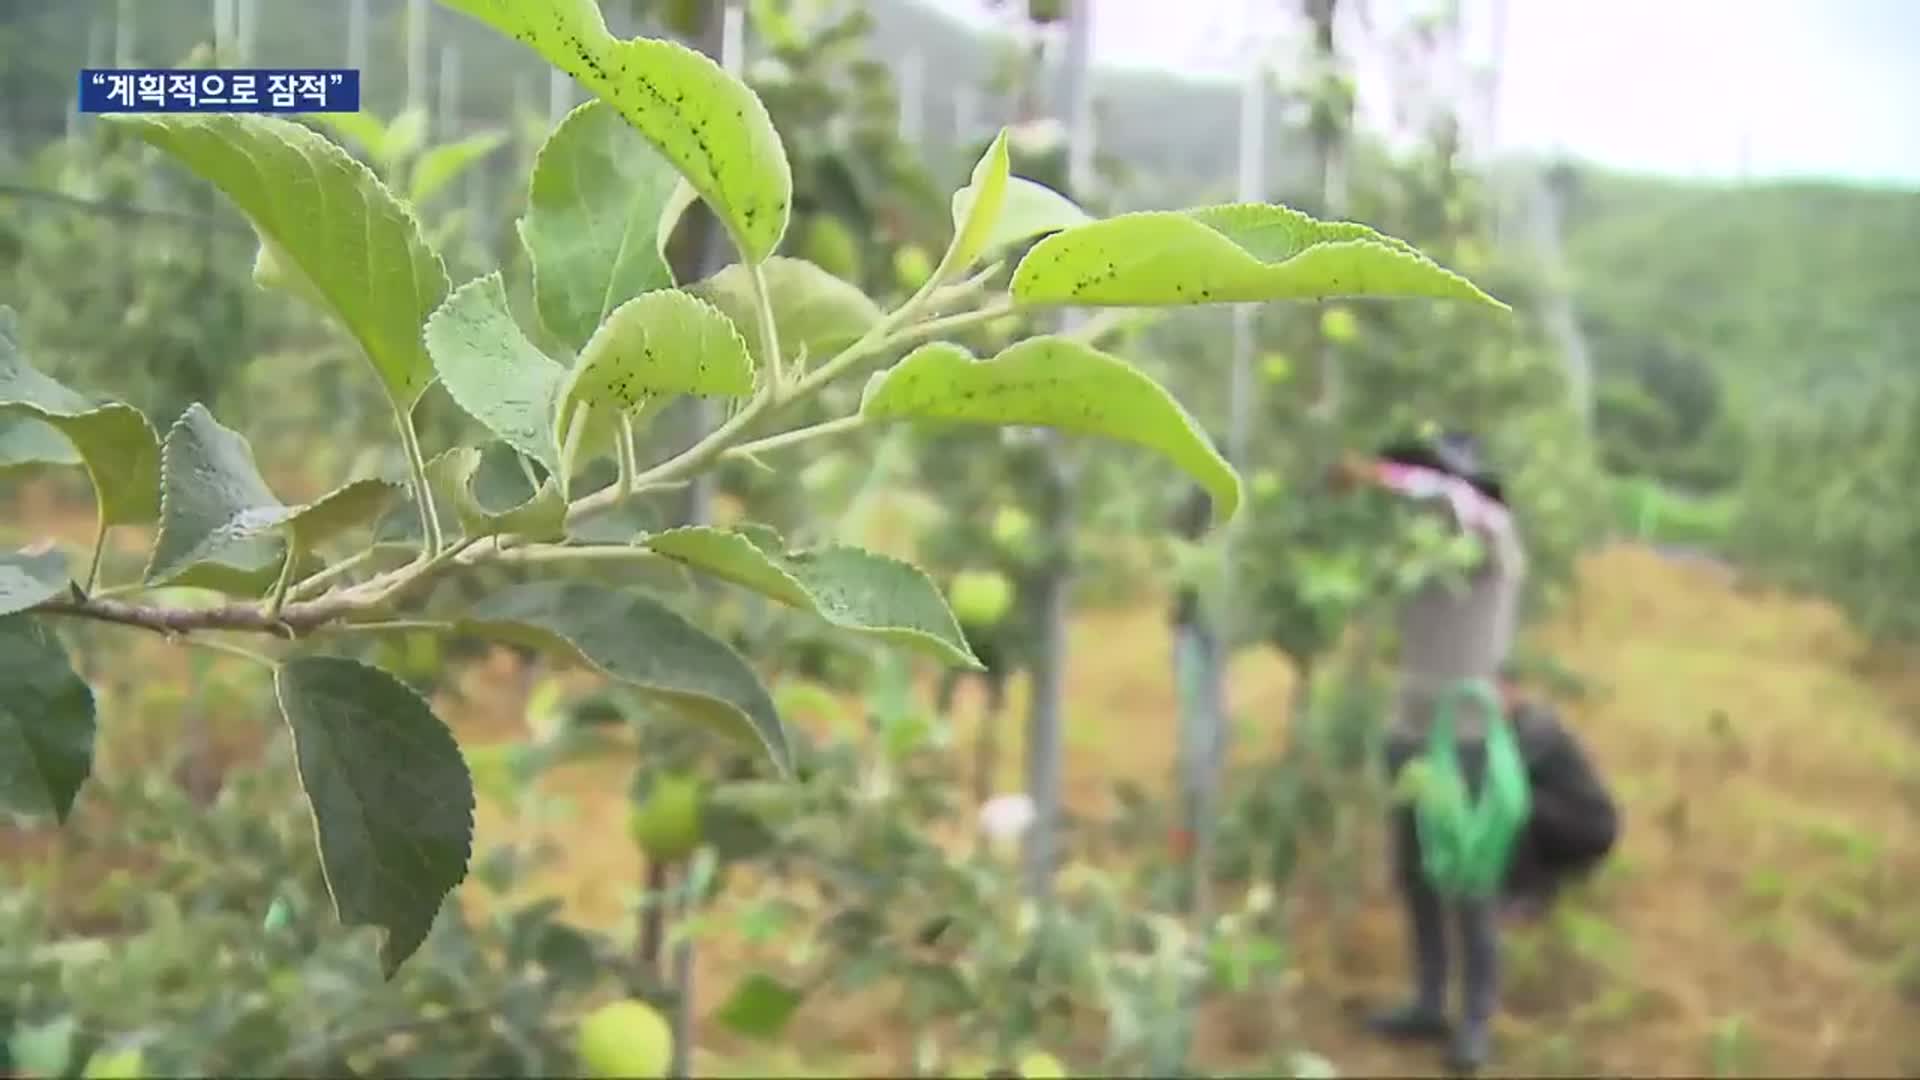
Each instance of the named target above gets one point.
<point>1821,87</point>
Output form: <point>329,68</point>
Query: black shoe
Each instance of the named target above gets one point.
<point>1469,1049</point>
<point>1410,1023</point>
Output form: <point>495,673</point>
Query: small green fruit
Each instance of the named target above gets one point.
<point>121,1065</point>
<point>832,247</point>
<point>625,1038</point>
<point>1338,325</point>
<point>1046,11</point>
<point>912,265</point>
<point>1040,1065</point>
<point>1266,483</point>
<point>1011,527</point>
<point>684,17</point>
<point>980,598</point>
<point>667,826</point>
<point>1276,367</point>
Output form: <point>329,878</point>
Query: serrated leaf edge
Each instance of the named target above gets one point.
<point>411,220</point>
<point>313,819</point>
<point>964,656</point>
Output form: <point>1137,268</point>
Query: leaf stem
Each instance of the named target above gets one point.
<point>949,324</point>
<point>683,464</point>
<point>526,470</point>
<point>769,333</point>
<point>549,553</point>
<point>285,580</point>
<point>576,429</point>
<point>313,583</point>
<point>628,455</point>
<point>417,470</point>
<point>99,548</point>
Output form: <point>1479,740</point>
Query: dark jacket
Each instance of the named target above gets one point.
<point>1575,821</point>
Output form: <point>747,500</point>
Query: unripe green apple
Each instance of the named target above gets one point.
<point>124,1064</point>
<point>683,17</point>
<point>1040,1065</point>
<point>1338,325</point>
<point>980,598</point>
<point>625,1038</point>
<point>831,246</point>
<point>1046,11</point>
<point>912,265</point>
<point>666,827</point>
<point>1011,527</point>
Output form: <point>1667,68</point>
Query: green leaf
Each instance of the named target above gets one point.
<point>621,524</point>
<point>331,220</point>
<point>638,641</point>
<point>447,162</point>
<point>1031,210</point>
<point>392,802</point>
<point>760,1007</point>
<point>709,124</point>
<point>245,568</point>
<point>1053,382</point>
<point>849,587</point>
<point>490,494</point>
<point>46,721</point>
<point>113,441</point>
<point>977,207</point>
<point>1238,253</point>
<point>493,372</point>
<point>213,498</point>
<point>813,310</point>
<point>26,580</point>
<point>364,129</point>
<point>592,228</point>
<point>404,137</point>
<point>26,441</point>
<point>660,344</point>
<point>43,1049</point>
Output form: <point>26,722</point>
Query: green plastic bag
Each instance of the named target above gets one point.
<point>1465,841</point>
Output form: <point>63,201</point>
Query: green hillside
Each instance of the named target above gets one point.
<point>1707,304</point>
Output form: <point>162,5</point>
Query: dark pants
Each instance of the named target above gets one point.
<point>1428,915</point>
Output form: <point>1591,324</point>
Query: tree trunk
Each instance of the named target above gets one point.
<point>1056,524</point>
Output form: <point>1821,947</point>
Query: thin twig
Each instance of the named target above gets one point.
<point>798,435</point>
<point>315,582</point>
<point>385,626</point>
<point>173,622</point>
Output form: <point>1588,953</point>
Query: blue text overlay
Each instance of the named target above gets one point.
<point>249,90</point>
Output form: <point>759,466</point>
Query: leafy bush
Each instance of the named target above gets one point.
<point>1822,505</point>
<point>218,955</point>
